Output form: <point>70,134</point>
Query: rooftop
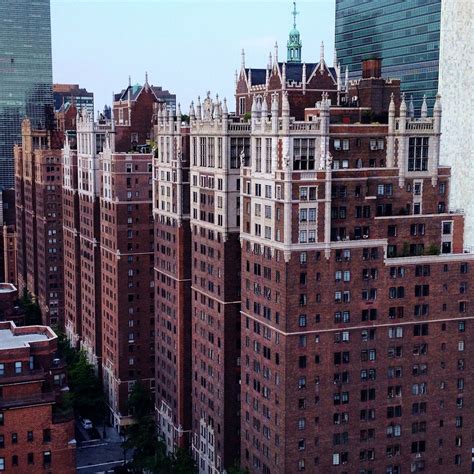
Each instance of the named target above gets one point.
<point>7,288</point>
<point>13,337</point>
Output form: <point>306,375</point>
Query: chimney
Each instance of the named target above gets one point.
<point>371,68</point>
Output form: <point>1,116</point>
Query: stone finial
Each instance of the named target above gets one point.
<point>403,105</point>
<point>192,112</point>
<point>198,108</point>
<point>129,81</point>
<point>275,54</point>
<point>242,59</point>
<point>391,107</point>
<point>283,76</point>
<point>225,111</point>
<point>437,106</point>
<point>178,110</point>
<point>411,108</point>
<point>424,107</point>
<point>346,85</point>
<point>334,62</point>
<point>254,106</point>
<point>274,107</point>
<point>264,107</point>
<point>146,85</point>
<point>250,77</point>
<point>285,106</point>
<point>321,54</point>
<point>269,66</point>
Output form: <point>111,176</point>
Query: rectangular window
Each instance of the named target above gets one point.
<point>418,154</point>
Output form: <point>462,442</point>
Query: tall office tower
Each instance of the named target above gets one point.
<point>71,240</point>
<point>355,293</point>
<point>126,247</point>
<point>217,143</point>
<point>303,82</point>
<point>172,278</point>
<point>405,35</point>
<point>71,94</point>
<point>38,200</point>
<point>25,75</point>
<point>455,78</point>
<point>133,109</point>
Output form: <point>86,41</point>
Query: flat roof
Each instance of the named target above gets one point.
<point>7,288</point>
<point>13,337</point>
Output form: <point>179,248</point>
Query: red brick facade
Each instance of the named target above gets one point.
<point>172,280</point>
<point>38,179</point>
<point>127,280</point>
<point>34,435</point>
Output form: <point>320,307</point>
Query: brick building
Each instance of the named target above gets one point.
<point>216,143</point>
<point>8,271</point>
<point>355,292</point>
<point>36,434</point>
<point>38,200</point>
<point>82,262</point>
<point>9,305</point>
<point>127,280</point>
<point>172,278</point>
<point>133,110</point>
<point>303,83</point>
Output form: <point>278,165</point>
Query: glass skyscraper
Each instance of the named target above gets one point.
<point>405,34</point>
<point>25,75</point>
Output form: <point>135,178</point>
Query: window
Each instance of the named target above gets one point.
<point>29,436</point>
<point>418,154</point>
<point>14,438</point>
<point>18,367</point>
<point>2,464</point>
<point>47,458</point>
<point>31,458</point>
<point>303,154</point>
<point>46,435</point>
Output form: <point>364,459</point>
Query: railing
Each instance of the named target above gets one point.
<point>239,127</point>
<point>304,126</point>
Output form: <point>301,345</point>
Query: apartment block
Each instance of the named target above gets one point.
<point>218,144</point>
<point>171,213</point>
<point>38,200</point>
<point>82,260</point>
<point>126,277</point>
<point>355,292</point>
<point>36,432</point>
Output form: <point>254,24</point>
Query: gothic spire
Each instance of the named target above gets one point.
<point>294,42</point>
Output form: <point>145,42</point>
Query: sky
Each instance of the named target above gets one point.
<point>187,46</point>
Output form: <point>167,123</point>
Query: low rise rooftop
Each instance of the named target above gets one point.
<point>13,337</point>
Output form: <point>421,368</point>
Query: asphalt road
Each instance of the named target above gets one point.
<point>97,455</point>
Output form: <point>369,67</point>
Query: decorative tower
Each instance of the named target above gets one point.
<point>294,41</point>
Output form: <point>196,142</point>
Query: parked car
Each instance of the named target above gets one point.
<point>86,424</point>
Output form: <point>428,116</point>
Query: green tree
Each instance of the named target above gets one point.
<point>149,453</point>
<point>182,462</point>
<point>88,398</point>
<point>31,308</point>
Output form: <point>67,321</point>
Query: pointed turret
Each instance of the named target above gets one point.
<point>334,61</point>
<point>264,108</point>
<point>146,85</point>
<point>283,76</point>
<point>303,78</point>
<point>411,108</point>
<point>275,54</point>
<point>225,111</point>
<point>242,59</point>
<point>192,112</point>
<point>424,108</point>
<point>403,106</point>
<point>294,42</point>
<point>178,112</point>
<point>346,85</point>
<point>321,55</point>
<point>198,108</point>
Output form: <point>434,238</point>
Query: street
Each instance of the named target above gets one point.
<point>98,455</point>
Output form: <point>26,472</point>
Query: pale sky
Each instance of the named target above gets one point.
<point>187,46</point>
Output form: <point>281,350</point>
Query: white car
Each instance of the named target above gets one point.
<point>86,424</point>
